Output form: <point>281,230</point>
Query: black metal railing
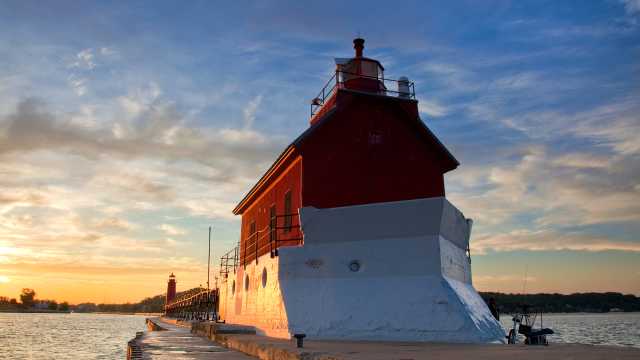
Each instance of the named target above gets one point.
<point>229,262</point>
<point>403,88</point>
<point>283,230</point>
<point>201,305</point>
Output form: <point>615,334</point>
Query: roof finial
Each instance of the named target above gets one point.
<point>358,44</point>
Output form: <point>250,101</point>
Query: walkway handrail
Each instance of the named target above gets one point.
<point>252,248</point>
<point>337,81</point>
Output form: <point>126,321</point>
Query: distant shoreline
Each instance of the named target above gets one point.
<point>33,311</point>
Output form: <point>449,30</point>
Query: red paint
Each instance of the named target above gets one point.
<point>171,288</point>
<point>288,180</point>
<point>362,148</point>
<point>372,151</point>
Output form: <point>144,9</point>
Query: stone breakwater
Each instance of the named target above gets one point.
<point>243,339</point>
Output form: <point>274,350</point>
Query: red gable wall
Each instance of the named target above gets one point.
<point>370,151</point>
<point>258,211</point>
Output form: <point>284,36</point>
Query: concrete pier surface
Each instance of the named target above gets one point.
<point>166,340</point>
<point>211,337</point>
<point>263,347</point>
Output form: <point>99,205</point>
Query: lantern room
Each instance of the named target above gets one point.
<point>360,73</point>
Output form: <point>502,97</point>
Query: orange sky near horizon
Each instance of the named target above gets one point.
<point>121,144</point>
<point>78,284</point>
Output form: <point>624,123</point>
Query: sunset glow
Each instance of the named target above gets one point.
<point>126,131</point>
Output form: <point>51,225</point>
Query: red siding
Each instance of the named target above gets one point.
<point>258,211</point>
<point>370,152</point>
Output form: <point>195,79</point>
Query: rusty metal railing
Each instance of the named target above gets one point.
<point>202,305</point>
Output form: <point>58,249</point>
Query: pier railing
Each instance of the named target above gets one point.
<point>229,262</point>
<point>201,305</point>
<point>283,230</point>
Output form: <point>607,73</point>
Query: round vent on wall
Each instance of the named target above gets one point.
<point>264,277</point>
<point>354,266</point>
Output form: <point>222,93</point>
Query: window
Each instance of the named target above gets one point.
<point>287,211</point>
<point>375,138</point>
<point>252,228</point>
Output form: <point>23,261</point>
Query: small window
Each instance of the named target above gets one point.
<point>233,287</point>
<point>252,228</point>
<point>375,138</point>
<point>287,211</point>
<point>246,283</point>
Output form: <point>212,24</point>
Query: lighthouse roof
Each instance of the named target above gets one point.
<point>294,148</point>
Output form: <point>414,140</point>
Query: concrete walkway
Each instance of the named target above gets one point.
<point>272,349</point>
<point>176,342</point>
<point>204,341</point>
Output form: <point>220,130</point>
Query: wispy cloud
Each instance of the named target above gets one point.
<point>544,240</point>
<point>631,6</point>
<point>172,230</point>
<point>84,60</point>
<point>432,108</point>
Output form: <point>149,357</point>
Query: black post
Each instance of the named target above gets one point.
<point>209,258</point>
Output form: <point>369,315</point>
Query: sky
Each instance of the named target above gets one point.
<point>128,128</point>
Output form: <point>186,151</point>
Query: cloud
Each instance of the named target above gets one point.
<point>113,223</point>
<point>432,108</point>
<point>562,191</point>
<point>631,6</point>
<point>79,85</point>
<point>157,132</point>
<point>172,230</point>
<point>84,60</point>
<point>545,240</point>
<point>107,51</point>
<point>250,111</point>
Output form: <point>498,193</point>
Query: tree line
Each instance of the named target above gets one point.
<point>507,303</point>
<point>28,302</point>
<point>560,303</point>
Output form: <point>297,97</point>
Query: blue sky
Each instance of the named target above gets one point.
<point>126,129</point>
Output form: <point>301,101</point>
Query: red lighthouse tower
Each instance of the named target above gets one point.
<point>171,289</point>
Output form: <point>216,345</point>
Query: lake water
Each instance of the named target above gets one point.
<point>598,329</point>
<point>97,336</point>
<point>67,336</point>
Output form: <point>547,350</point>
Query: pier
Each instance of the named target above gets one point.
<point>168,340</point>
<point>208,340</point>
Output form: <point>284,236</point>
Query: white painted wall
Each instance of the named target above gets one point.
<point>414,280</point>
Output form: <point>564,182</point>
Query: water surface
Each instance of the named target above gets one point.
<point>597,329</point>
<point>67,336</point>
<point>97,336</point>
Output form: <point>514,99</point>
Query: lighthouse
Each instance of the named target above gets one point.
<point>349,234</point>
<point>171,289</point>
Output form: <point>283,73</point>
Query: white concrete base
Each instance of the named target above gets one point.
<point>389,271</point>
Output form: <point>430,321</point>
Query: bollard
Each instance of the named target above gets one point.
<point>299,338</point>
